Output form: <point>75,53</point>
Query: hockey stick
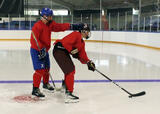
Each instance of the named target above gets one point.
<point>57,89</point>
<point>130,94</point>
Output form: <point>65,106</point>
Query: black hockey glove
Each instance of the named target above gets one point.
<point>75,53</point>
<point>76,26</point>
<point>91,66</point>
<point>42,53</point>
<point>76,56</point>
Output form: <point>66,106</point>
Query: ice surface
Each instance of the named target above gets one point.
<point>96,96</point>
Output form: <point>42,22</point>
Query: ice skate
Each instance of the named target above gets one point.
<point>70,98</point>
<point>47,87</point>
<point>36,93</point>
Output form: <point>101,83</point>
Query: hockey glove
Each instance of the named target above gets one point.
<point>74,53</point>
<point>91,66</point>
<point>76,56</point>
<point>76,26</point>
<point>42,53</point>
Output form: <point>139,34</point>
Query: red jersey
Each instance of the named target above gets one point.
<point>43,31</point>
<point>72,41</point>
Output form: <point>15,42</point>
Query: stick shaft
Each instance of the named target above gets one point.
<point>113,82</point>
<point>35,40</point>
<point>52,80</point>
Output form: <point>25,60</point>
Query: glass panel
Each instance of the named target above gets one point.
<point>114,15</point>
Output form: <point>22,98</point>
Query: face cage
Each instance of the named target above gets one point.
<point>89,33</point>
<point>46,18</point>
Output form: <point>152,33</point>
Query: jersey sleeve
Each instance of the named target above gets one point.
<point>58,27</point>
<point>35,37</point>
<point>83,58</point>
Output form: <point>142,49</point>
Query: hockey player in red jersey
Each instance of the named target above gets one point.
<point>40,45</point>
<point>73,44</point>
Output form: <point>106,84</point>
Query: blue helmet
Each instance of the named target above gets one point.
<point>46,11</point>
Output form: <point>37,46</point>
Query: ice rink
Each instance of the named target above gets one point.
<point>134,68</point>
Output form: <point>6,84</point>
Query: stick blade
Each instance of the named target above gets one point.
<point>137,94</point>
<point>58,89</point>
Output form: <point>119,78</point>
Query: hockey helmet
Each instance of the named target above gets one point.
<point>46,11</point>
<point>86,30</point>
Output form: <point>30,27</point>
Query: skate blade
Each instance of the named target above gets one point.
<point>37,98</point>
<point>71,101</point>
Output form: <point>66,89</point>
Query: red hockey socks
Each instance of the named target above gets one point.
<point>37,77</point>
<point>69,81</point>
<point>46,76</point>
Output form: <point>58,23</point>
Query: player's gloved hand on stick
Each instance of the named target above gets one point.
<point>91,66</point>
<point>76,56</point>
<point>42,53</point>
<point>74,53</point>
<point>76,26</point>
